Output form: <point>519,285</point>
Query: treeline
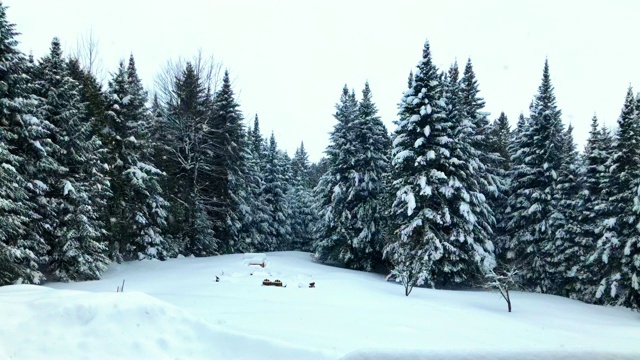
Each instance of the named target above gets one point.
<point>452,197</point>
<point>90,175</point>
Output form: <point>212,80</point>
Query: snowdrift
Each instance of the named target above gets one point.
<point>43,323</point>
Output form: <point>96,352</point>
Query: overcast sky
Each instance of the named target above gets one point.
<point>290,59</point>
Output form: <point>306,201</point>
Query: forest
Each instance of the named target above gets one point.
<point>94,173</point>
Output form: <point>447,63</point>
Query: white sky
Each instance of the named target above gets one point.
<point>290,59</point>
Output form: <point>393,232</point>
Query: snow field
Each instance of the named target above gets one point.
<point>175,309</point>
<point>43,323</point>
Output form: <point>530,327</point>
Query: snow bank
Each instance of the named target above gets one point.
<point>348,310</point>
<point>387,354</point>
<point>43,323</point>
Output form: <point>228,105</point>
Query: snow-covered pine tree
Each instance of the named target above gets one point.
<point>518,148</point>
<point>335,226</point>
<point>261,225</point>
<point>536,164</point>
<point>19,253</point>
<point>138,209</point>
<point>489,176</point>
<point>274,195</point>
<point>352,191</point>
<point>254,227</point>
<point>300,166</point>
<point>366,188</point>
<point>301,202</point>
<point>569,252</point>
<point>440,237</point>
<point>467,237</point>
<point>594,205</point>
<point>229,159</point>
<point>316,170</point>
<point>499,140</point>
<point>618,246</point>
<point>418,207</point>
<point>472,108</point>
<point>75,232</point>
<point>91,93</point>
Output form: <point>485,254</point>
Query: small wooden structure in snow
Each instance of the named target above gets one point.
<point>255,259</point>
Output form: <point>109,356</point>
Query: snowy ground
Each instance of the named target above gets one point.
<point>175,310</point>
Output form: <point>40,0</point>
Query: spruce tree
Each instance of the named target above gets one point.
<point>534,180</point>
<point>229,158</point>
<point>74,229</point>
<point>500,137</point>
<point>569,251</point>
<point>19,253</point>
<point>488,174</point>
<point>440,211</point>
<point>518,148</point>
<point>301,202</point>
<point>274,195</point>
<point>367,189</point>
<point>469,213</point>
<point>595,208</point>
<point>138,209</point>
<point>335,227</point>
<point>261,226</point>
<point>618,246</point>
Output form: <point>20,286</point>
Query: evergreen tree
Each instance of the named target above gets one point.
<point>472,104</point>
<point>618,247</point>
<point>73,227</point>
<point>595,208</point>
<point>441,237</point>
<point>569,252</point>
<point>300,166</point>
<point>469,213</point>
<point>417,207</point>
<point>138,209</point>
<point>301,202</point>
<point>499,144</point>
<point>229,158</point>
<point>316,170</point>
<point>335,227</point>
<point>274,195</point>
<point>534,180</point>
<point>367,188</point>
<point>91,94</point>
<point>518,148</point>
<point>19,253</point>
<point>256,228</point>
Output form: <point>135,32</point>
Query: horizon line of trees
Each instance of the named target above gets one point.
<point>90,175</point>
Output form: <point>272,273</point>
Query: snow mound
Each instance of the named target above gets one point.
<point>44,323</point>
<point>387,354</point>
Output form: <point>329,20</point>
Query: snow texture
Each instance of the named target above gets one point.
<point>176,310</point>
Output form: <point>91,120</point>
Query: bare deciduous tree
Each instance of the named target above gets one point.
<point>88,53</point>
<point>503,280</point>
<point>207,69</point>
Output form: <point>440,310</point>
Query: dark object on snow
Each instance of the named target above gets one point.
<point>267,282</point>
<point>121,288</point>
<point>312,285</point>
<point>217,279</point>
